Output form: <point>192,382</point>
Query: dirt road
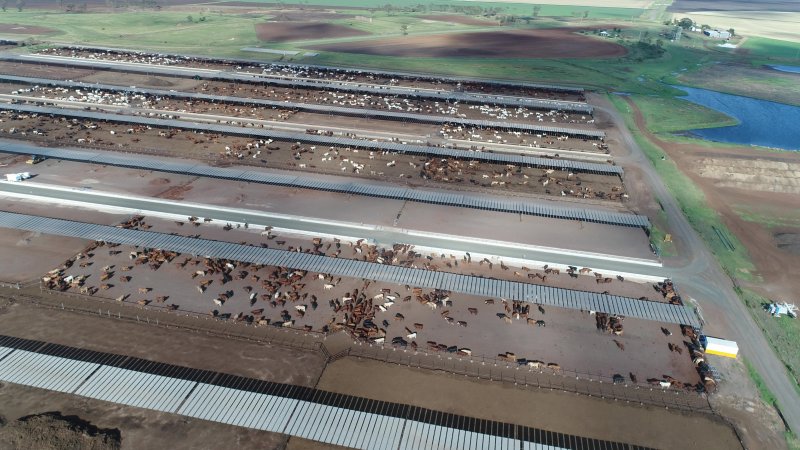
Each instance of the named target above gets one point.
<point>702,278</point>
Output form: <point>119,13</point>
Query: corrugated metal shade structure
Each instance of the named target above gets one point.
<point>352,188</point>
<point>323,416</point>
<point>260,133</point>
<point>206,74</point>
<point>313,108</point>
<point>471,285</point>
<point>400,74</point>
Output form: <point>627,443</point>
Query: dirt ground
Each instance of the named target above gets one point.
<point>549,410</point>
<point>14,28</point>
<point>33,250</point>
<point>301,31</point>
<point>591,417</point>
<point>744,179</point>
<point>521,229</point>
<point>556,338</point>
<point>399,168</point>
<point>52,431</point>
<point>377,102</point>
<point>457,18</point>
<point>554,43</point>
<point>344,75</point>
<point>142,428</point>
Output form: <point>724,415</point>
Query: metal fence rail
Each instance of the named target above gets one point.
<point>310,413</point>
<point>526,207</point>
<point>471,285</point>
<point>342,142</point>
<point>305,107</point>
<point>177,71</point>
<point>334,347</point>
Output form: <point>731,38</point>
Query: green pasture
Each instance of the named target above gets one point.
<point>671,114</point>
<point>692,202</point>
<point>518,9</point>
<point>772,49</point>
<point>166,31</point>
<point>783,333</point>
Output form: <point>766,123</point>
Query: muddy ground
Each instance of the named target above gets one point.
<point>53,431</point>
<point>551,43</point>
<point>567,413</point>
<point>555,411</point>
<point>399,168</point>
<point>250,295</point>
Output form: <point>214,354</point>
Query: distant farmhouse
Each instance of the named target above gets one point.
<point>717,34</point>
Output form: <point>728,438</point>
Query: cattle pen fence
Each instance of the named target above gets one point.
<point>338,345</point>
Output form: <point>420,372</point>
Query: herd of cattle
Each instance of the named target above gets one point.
<point>308,72</point>
<point>367,310</point>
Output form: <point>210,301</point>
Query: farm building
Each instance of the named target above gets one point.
<point>717,34</point>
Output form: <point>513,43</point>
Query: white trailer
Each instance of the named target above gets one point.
<point>721,347</point>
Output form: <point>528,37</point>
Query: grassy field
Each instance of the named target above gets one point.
<point>671,114</point>
<point>548,8</point>
<point>171,31</point>
<point>782,333</point>
<point>693,203</point>
<point>772,49</point>
<point>746,80</point>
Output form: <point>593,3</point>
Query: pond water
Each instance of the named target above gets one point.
<point>792,69</point>
<point>762,123</point>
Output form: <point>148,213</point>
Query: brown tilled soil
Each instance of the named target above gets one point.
<point>300,31</point>
<point>53,431</point>
<point>457,18</point>
<point>554,43</point>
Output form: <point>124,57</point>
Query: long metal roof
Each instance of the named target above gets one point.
<point>341,86</point>
<point>463,200</point>
<point>465,284</point>
<point>398,74</point>
<point>342,142</point>
<point>312,108</point>
<point>323,416</point>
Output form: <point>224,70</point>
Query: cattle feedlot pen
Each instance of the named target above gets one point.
<point>307,107</point>
<point>467,155</point>
<point>312,84</point>
<point>526,207</point>
<point>339,69</point>
<point>280,408</point>
<point>563,298</point>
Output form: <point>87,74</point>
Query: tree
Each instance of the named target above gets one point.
<point>686,23</point>
<point>536,10</point>
<point>732,32</point>
<point>404,29</point>
<point>585,14</point>
<point>189,18</point>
